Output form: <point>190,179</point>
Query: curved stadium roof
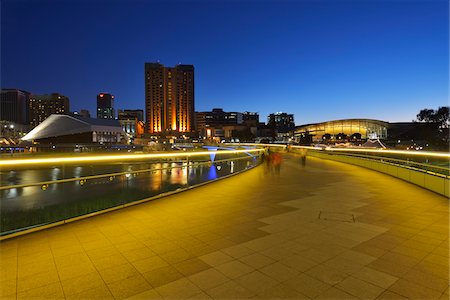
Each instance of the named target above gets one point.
<point>59,125</point>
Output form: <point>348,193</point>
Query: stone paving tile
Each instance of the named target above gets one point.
<point>327,274</point>
<point>240,237</point>
<point>375,277</point>
<point>216,258</point>
<point>101,292</point>
<point>161,276</point>
<point>278,271</point>
<point>82,283</point>
<point>148,294</point>
<point>334,293</point>
<point>413,291</point>
<point>117,273</point>
<point>230,290</point>
<point>359,288</point>
<point>281,291</point>
<point>51,291</point>
<point>191,266</point>
<point>256,282</point>
<point>181,288</point>
<point>208,279</point>
<point>128,287</point>
<point>234,269</point>
<point>36,281</point>
<point>237,251</point>
<point>8,288</point>
<point>148,264</point>
<point>307,285</point>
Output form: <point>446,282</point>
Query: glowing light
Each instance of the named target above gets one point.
<point>421,153</point>
<point>120,157</point>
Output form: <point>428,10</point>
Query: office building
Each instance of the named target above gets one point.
<point>42,106</point>
<point>220,124</point>
<point>250,118</point>
<point>282,122</point>
<point>169,98</point>
<point>14,106</point>
<point>105,106</point>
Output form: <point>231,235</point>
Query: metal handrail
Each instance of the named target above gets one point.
<point>393,159</point>
<point>42,183</point>
<point>387,160</point>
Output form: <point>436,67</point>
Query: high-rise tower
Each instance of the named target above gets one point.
<point>105,106</point>
<point>169,98</point>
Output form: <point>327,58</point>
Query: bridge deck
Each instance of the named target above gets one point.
<point>328,230</point>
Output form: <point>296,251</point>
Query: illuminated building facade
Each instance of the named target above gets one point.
<point>169,98</point>
<point>42,106</point>
<point>105,106</point>
<point>66,129</point>
<point>14,106</point>
<point>344,130</point>
<point>131,121</point>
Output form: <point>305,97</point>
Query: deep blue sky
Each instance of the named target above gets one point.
<point>321,60</point>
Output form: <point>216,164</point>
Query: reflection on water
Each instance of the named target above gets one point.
<point>178,174</point>
<point>33,205</point>
<point>212,174</point>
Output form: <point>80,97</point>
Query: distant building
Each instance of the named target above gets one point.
<point>42,106</point>
<point>84,113</point>
<point>65,129</point>
<point>169,98</point>
<point>105,106</point>
<point>131,122</point>
<point>348,129</point>
<point>11,133</point>
<point>14,106</point>
<point>282,122</point>
<point>126,113</point>
<point>220,124</point>
<point>250,118</point>
<point>234,118</point>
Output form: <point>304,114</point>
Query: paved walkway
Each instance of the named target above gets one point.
<point>327,231</point>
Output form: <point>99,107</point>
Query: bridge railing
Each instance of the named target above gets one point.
<point>40,192</point>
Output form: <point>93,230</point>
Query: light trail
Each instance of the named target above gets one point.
<point>106,158</point>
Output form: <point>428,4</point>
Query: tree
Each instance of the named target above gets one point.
<point>341,136</point>
<point>426,115</point>
<point>439,121</point>
<point>326,137</point>
<point>439,117</point>
<point>356,136</point>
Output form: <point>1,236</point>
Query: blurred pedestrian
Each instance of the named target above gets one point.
<point>276,162</point>
<point>303,156</point>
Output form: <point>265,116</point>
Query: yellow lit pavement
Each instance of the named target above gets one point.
<point>326,231</point>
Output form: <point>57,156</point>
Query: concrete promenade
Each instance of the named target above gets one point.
<point>326,231</point>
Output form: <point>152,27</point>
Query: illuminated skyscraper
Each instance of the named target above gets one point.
<point>169,98</point>
<point>105,106</point>
<point>42,106</point>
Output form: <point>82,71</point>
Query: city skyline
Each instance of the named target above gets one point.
<point>372,60</point>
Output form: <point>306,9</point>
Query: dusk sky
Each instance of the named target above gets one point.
<point>320,60</point>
